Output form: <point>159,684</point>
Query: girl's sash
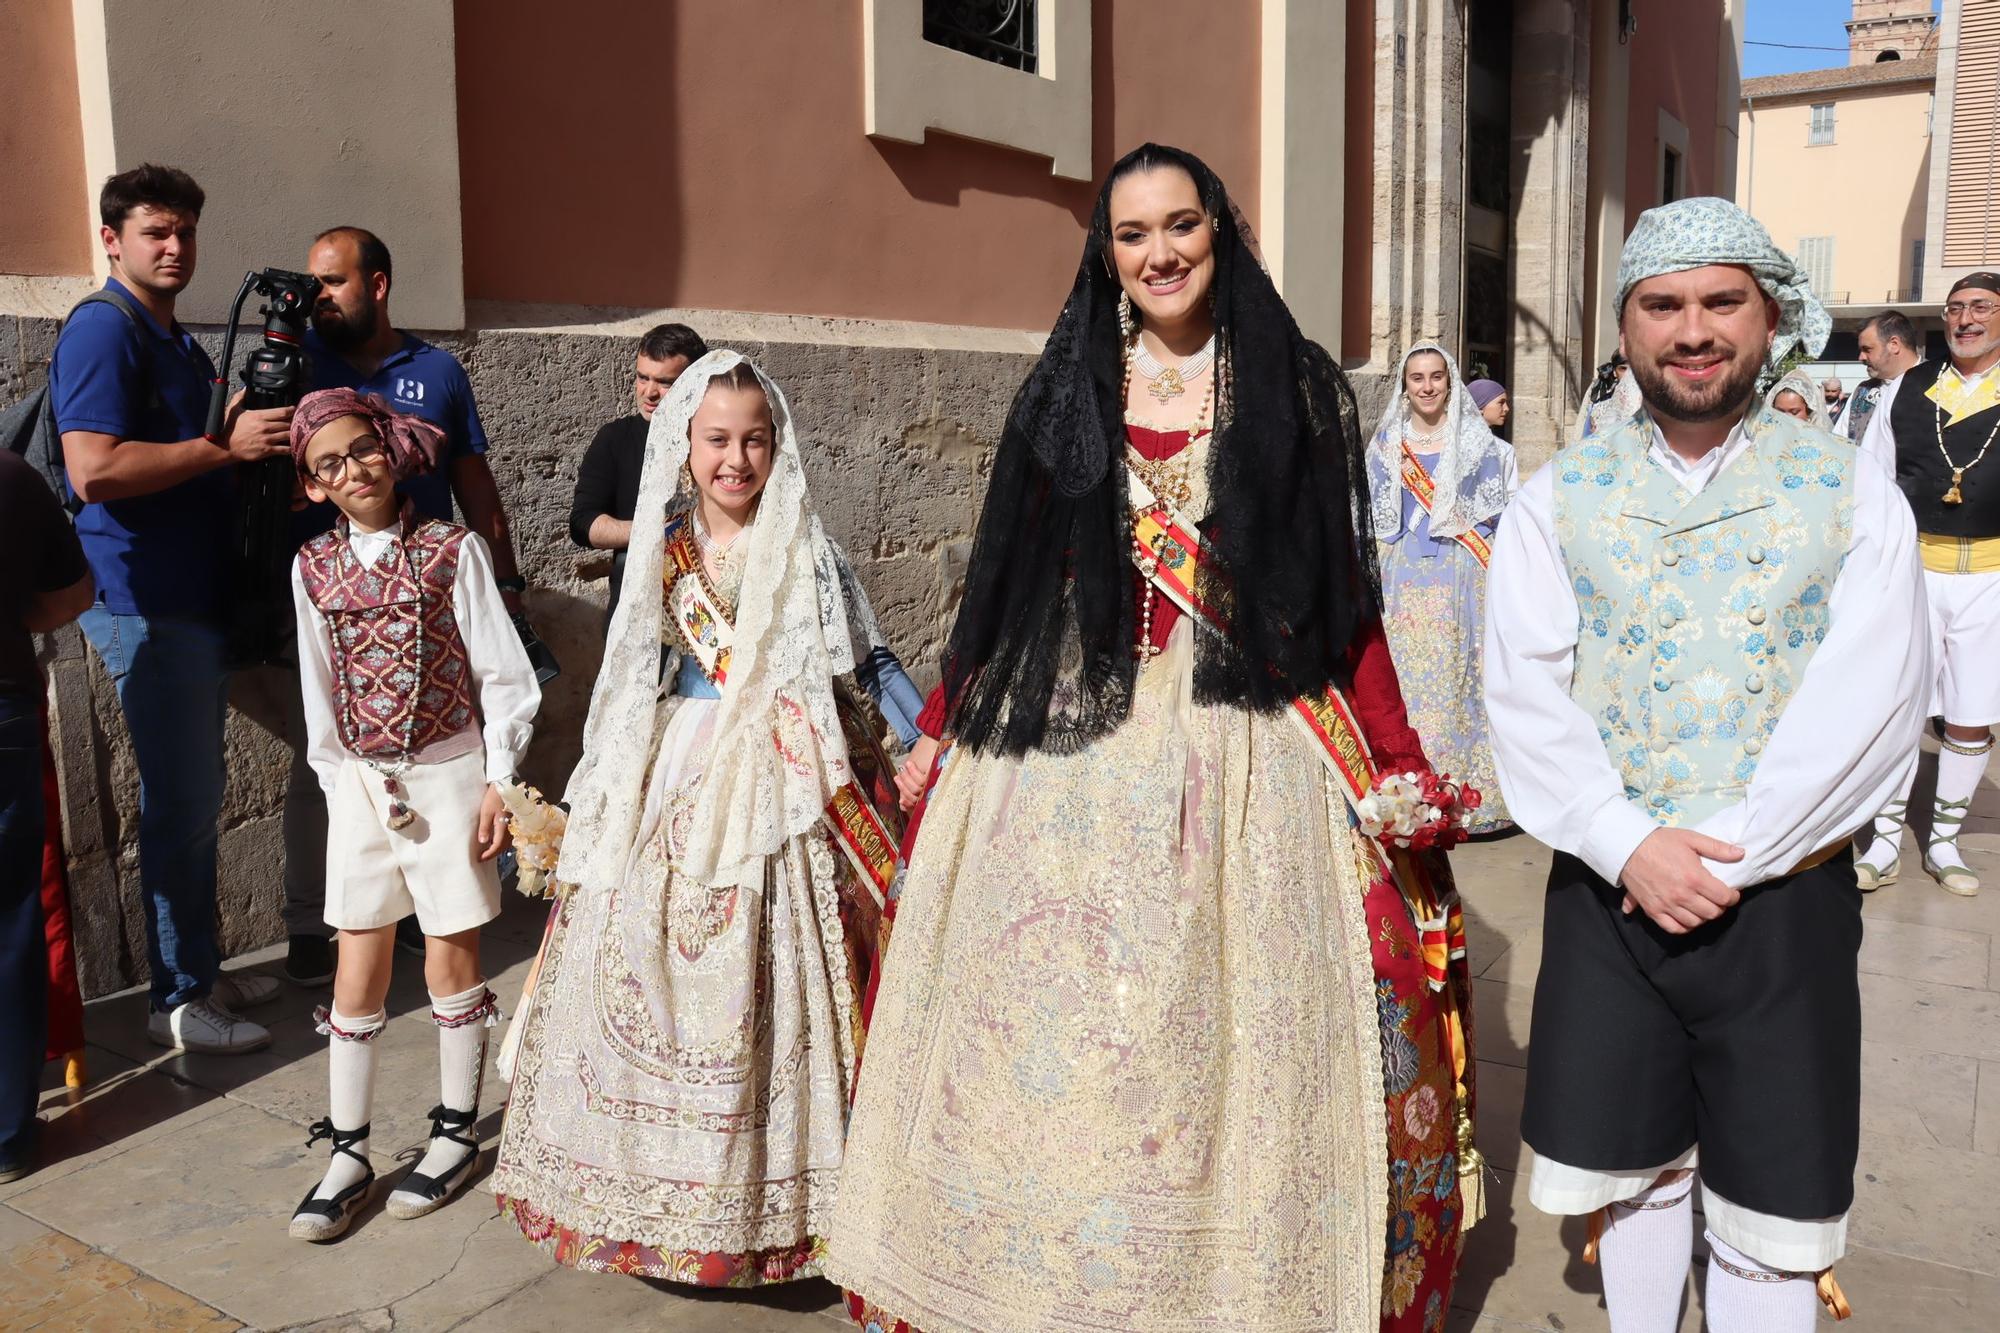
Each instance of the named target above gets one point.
<point>706,627</point>
<point>1418,478</point>
<point>1168,554</point>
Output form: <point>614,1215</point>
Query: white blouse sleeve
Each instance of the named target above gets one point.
<point>509,696</point>
<point>324,751</point>
<point>1848,735</point>
<point>1558,779</point>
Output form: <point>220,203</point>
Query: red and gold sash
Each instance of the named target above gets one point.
<point>706,630</point>
<point>1418,478</point>
<point>1169,554</point>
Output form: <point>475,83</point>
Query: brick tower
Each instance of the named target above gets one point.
<point>1906,27</point>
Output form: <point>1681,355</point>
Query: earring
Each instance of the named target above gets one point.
<point>687,478</point>
<point>1126,322</point>
<point>1215,222</point>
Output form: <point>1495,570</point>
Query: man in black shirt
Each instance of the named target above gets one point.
<point>47,585</point>
<point>607,481</point>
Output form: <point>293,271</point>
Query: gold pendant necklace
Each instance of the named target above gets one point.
<point>1953,495</point>
<point>1168,386</point>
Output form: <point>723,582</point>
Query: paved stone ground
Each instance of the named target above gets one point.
<point>163,1201</point>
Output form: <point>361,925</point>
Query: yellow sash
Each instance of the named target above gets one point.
<point>706,631</point>
<point>1418,478</point>
<point>1958,555</point>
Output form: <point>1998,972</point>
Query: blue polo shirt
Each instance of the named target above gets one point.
<point>425,381</point>
<point>162,554</point>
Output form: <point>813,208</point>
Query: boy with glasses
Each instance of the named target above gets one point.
<point>419,701</point>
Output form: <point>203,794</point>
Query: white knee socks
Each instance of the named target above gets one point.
<point>1958,778</point>
<point>1644,1253</point>
<point>1744,1296</point>
<point>351,1058</point>
<point>1885,844</point>
<point>462,1020</point>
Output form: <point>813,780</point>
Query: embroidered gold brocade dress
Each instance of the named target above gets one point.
<point>1144,1043</point>
<point>680,1099</point>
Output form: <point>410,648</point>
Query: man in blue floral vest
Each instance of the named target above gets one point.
<point>1706,665</point>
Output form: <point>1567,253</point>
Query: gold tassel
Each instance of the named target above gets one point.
<point>1595,1224</point>
<point>1832,1297</point>
<point>1471,1166</point>
<point>74,1073</point>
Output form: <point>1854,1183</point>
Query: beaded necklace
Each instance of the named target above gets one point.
<point>1952,494</point>
<point>1170,481</point>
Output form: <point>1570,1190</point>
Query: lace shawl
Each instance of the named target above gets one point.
<point>1802,384</point>
<point>1474,470</point>
<point>777,755</point>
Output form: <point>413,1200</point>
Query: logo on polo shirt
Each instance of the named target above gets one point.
<point>409,390</point>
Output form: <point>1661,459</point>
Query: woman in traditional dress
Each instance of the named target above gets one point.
<point>1612,401</point>
<point>681,1090</point>
<point>1796,395</point>
<point>1154,1048</point>
<point>1439,477</point>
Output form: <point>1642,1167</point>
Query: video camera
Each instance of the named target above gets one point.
<point>274,375</point>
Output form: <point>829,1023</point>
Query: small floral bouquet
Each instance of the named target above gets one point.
<point>1417,811</point>
<point>538,827</point>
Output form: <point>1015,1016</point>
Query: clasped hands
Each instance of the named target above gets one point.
<point>1665,878</point>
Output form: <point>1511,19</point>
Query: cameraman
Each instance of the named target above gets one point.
<point>129,387</point>
<point>354,345</point>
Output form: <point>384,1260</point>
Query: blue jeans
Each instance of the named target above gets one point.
<point>24,952</point>
<point>174,689</point>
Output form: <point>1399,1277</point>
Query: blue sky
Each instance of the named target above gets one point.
<point>1797,23</point>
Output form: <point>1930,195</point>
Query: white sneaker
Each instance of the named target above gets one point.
<point>241,990</point>
<point>200,1025</point>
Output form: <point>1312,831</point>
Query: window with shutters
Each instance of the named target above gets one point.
<point>1816,258</point>
<point>1974,148</point>
<point>1822,124</point>
<point>1917,269</point>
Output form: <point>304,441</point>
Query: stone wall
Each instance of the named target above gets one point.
<point>897,424</point>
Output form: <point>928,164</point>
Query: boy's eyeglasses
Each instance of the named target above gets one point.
<point>332,469</point>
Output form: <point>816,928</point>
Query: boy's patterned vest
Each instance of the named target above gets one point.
<point>391,697</point>
<point>1697,616</point>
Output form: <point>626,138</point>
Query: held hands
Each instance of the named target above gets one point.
<point>493,828</point>
<point>251,436</point>
<point>915,772</point>
<point>1665,878</point>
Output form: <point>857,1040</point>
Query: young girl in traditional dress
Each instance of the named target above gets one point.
<point>680,1095</point>
<point>1157,1045</point>
<point>1439,477</point>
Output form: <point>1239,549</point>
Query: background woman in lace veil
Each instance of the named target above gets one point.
<point>1152,1047</point>
<point>1438,478</point>
<point>681,1088</point>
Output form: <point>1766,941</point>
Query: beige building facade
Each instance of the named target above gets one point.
<point>885,213</point>
<point>1836,164</point>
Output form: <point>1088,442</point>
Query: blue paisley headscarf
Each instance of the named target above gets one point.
<point>1694,233</point>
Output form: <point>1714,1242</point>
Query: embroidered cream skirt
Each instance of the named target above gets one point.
<point>680,1096</point>
<point>1125,1069</point>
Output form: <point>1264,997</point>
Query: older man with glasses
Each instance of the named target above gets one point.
<point>1935,428</point>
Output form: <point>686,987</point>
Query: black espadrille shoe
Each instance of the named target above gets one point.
<point>417,1193</point>
<point>328,1219</point>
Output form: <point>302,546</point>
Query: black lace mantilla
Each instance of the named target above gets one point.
<point>1041,655</point>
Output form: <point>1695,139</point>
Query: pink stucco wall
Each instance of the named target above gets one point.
<point>713,156</point>
<point>1674,65</point>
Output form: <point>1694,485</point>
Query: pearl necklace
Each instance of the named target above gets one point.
<point>1170,382</point>
<point>1169,481</point>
